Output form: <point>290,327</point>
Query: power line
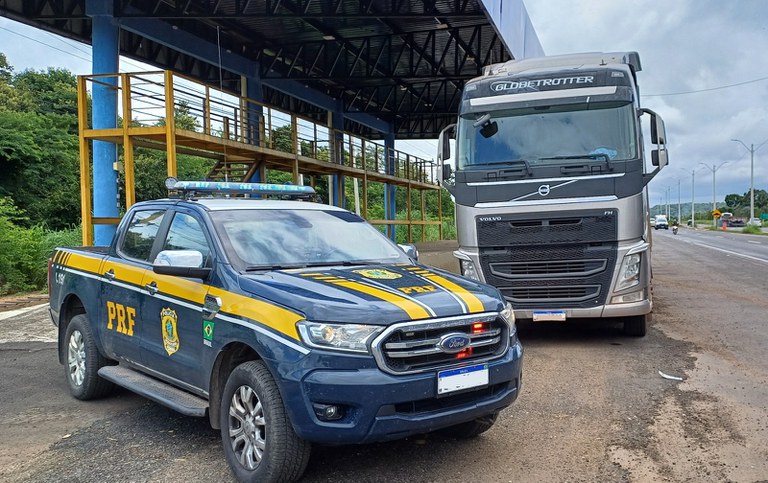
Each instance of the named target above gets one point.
<point>43,43</point>
<point>708,89</point>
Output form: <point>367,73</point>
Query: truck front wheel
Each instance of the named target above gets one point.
<point>470,429</point>
<point>259,441</point>
<point>83,361</point>
<point>636,326</point>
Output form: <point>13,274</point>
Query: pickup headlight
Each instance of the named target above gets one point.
<point>629,273</point>
<point>509,315</point>
<point>341,337</point>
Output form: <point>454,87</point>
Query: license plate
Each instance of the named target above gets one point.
<point>462,378</point>
<point>549,315</point>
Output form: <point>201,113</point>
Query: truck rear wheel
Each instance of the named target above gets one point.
<point>83,361</point>
<point>258,439</point>
<point>470,429</point>
<point>636,326</point>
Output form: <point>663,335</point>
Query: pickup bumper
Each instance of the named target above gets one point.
<point>378,406</point>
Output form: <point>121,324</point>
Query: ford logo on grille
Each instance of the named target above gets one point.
<point>454,342</point>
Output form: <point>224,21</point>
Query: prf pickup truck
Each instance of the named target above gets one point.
<point>285,323</point>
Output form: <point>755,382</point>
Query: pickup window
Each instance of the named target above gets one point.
<point>141,233</point>
<point>186,234</point>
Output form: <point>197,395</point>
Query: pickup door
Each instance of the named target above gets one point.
<point>173,342</point>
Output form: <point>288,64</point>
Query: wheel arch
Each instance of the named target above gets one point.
<point>231,355</point>
<point>70,307</point>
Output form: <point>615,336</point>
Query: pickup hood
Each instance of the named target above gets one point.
<point>372,294</point>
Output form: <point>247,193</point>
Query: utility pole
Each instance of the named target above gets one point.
<point>679,219</point>
<point>693,197</point>
<point>751,150</point>
<point>714,172</point>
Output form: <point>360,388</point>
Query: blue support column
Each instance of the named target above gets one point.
<point>105,61</point>
<point>390,208</point>
<point>254,91</point>
<point>337,122</point>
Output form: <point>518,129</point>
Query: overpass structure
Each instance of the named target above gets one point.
<point>343,79</point>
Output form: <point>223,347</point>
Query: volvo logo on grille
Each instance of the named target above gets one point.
<point>453,342</point>
<point>490,218</point>
<point>544,190</point>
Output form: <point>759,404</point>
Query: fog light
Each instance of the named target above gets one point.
<point>629,297</point>
<point>328,412</point>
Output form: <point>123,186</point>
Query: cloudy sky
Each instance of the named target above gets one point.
<point>705,70</point>
<point>684,46</point>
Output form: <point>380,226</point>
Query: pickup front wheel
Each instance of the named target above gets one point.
<point>259,441</point>
<point>83,361</point>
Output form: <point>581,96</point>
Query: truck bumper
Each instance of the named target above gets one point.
<point>604,311</point>
<point>377,406</point>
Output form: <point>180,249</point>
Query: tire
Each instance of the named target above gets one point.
<point>252,415</point>
<point>82,361</point>
<point>636,326</point>
<point>470,429</point>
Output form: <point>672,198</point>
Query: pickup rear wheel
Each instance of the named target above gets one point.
<point>636,326</point>
<point>470,429</point>
<point>83,361</point>
<point>258,439</point>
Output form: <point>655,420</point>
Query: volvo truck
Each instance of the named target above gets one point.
<point>549,179</point>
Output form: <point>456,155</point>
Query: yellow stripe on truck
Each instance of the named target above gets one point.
<point>414,310</point>
<point>265,313</point>
<point>473,303</point>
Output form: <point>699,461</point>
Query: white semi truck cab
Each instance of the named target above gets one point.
<point>549,180</point>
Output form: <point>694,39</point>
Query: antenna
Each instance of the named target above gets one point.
<point>221,95</point>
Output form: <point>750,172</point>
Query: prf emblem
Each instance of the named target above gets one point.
<point>378,273</point>
<point>168,319</point>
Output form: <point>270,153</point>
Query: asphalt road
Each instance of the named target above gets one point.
<point>593,406</point>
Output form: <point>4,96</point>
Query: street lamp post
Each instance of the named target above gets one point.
<point>751,150</point>
<point>693,197</point>
<point>714,171</point>
<point>679,219</point>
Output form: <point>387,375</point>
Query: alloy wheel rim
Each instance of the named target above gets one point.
<point>247,427</point>
<point>76,358</point>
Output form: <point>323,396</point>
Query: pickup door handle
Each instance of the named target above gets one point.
<point>151,288</point>
<point>109,274</point>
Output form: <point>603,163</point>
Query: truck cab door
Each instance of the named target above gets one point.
<point>174,341</point>
<point>121,327</point>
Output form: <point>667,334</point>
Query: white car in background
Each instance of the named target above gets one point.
<point>755,222</point>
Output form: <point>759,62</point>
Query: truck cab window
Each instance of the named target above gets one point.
<point>141,233</point>
<point>187,234</point>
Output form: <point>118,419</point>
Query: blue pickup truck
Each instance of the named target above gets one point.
<point>285,322</point>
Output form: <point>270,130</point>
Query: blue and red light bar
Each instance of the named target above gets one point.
<point>223,187</point>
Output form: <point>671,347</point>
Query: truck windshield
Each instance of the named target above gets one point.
<point>281,239</point>
<point>549,135</point>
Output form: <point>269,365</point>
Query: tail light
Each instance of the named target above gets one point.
<point>50,275</point>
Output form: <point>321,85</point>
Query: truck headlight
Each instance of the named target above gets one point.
<point>468,270</point>
<point>629,273</point>
<point>342,337</point>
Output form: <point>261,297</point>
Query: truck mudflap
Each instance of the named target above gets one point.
<point>376,406</point>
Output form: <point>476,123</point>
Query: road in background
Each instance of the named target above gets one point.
<point>593,405</point>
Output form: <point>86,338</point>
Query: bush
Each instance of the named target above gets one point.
<point>752,230</point>
<point>24,252</point>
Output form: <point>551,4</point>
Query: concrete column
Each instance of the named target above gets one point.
<point>105,61</point>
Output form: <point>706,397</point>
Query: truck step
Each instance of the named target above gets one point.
<point>158,391</point>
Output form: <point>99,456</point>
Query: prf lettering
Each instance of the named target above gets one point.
<point>124,316</point>
<point>418,289</point>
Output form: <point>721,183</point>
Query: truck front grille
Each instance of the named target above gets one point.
<point>412,347</point>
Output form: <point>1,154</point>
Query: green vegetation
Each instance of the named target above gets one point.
<point>752,230</point>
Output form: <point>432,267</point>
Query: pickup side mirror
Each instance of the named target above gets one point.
<point>410,250</point>
<point>180,263</point>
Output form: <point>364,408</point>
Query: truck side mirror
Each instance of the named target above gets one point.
<point>447,171</point>
<point>659,157</point>
<point>180,263</point>
<point>444,142</point>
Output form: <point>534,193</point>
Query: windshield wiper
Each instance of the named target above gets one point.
<point>255,268</point>
<point>343,263</point>
<point>596,156</point>
<point>525,169</point>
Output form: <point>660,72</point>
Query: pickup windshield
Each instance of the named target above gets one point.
<point>283,239</point>
<point>580,134</point>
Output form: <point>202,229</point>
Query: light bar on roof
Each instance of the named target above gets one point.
<point>242,188</point>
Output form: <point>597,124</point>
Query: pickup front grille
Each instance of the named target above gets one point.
<point>412,347</point>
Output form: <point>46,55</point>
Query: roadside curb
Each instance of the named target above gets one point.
<point>24,310</point>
